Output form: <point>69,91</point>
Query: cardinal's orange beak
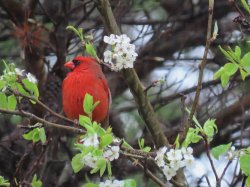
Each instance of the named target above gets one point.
<point>69,65</point>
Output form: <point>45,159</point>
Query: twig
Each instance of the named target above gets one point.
<point>44,122</point>
<point>224,171</point>
<point>149,173</point>
<point>208,182</point>
<point>201,67</point>
<point>16,93</point>
<point>210,160</point>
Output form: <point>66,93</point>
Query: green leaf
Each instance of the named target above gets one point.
<point>146,149</point>
<point>126,144</point>
<point>2,84</point>
<point>244,164</point>
<point>34,135</point>
<point>95,105</point>
<point>32,87</point>
<point>238,53</point>
<point>89,128</point>
<point>35,182</point>
<point>141,143</point>
<point>84,120</point>
<point>197,124</point>
<point>12,102</point>
<point>226,54</point>
<point>129,183</point>
<point>230,68</point>
<point>42,135</point>
<point>21,89</point>
<point>100,165</point>
<point>78,32</point>
<point>243,74</point>
<point>245,5</point>
<point>3,101</point>
<point>192,137</point>
<point>6,66</point>
<point>177,142</point>
<point>248,150</point>
<point>245,61</point>
<point>90,185</point>
<point>248,181</point>
<point>4,182</point>
<point>77,163</point>
<point>106,140</point>
<point>90,49</point>
<point>88,104</point>
<point>109,168</point>
<point>224,80</point>
<point>219,73</point>
<point>219,150</point>
<point>209,127</point>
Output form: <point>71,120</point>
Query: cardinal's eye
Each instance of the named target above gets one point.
<point>76,62</point>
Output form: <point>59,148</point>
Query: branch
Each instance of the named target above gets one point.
<point>44,122</point>
<point>44,106</point>
<point>144,107</point>
<point>201,67</point>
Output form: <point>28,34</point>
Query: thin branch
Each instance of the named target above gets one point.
<point>210,160</point>
<point>149,173</point>
<point>44,122</point>
<point>47,108</point>
<point>201,66</point>
<point>224,171</point>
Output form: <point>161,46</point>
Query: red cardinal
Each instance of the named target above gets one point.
<point>86,77</point>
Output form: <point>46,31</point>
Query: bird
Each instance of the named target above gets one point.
<point>86,76</point>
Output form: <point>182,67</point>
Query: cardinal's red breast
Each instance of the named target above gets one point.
<point>86,77</point>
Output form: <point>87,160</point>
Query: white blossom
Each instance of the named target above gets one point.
<point>123,53</point>
<point>119,49</point>
<point>174,154</point>
<point>231,153</point>
<point>110,39</point>
<point>123,39</point>
<point>160,156</point>
<point>109,183</point>
<point>176,164</point>
<point>168,172</point>
<point>31,78</point>
<point>112,153</point>
<point>91,140</point>
<point>19,71</point>
<point>188,160</point>
<point>108,56</point>
<point>90,160</point>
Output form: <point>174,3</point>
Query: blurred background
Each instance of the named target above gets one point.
<point>169,36</point>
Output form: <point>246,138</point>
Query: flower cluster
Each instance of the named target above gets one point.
<point>12,76</point>
<point>174,159</point>
<point>22,73</point>
<point>91,140</point>
<point>110,153</point>
<point>109,183</point>
<point>122,54</point>
<point>29,76</point>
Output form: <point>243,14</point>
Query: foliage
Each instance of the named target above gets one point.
<point>4,182</point>
<point>236,62</point>
<point>36,182</point>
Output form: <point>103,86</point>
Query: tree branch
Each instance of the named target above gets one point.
<point>144,107</point>
<point>44,122</point>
